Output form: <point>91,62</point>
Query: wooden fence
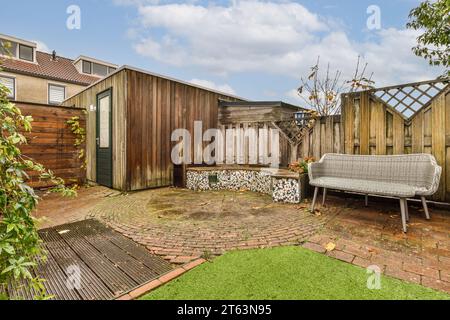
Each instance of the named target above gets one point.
<point>367,125</point>
<point>51,142</point>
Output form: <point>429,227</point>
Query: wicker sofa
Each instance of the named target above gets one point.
<point>399,176</point>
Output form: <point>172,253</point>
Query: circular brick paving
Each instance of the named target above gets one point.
<point>181,224</point>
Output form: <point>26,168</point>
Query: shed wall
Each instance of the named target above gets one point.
<point>89,97</point>
<point>155,108</point>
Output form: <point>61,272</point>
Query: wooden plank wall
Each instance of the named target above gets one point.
<point>325,137</point>
<point>249,144</point>
<point>255,114</point>
<point>88,98</point>
<point>51,142</point>
<point>155,108</point>
<point>384,131</point>
<point>371,127</point>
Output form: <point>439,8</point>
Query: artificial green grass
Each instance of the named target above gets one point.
<point>289,273</point>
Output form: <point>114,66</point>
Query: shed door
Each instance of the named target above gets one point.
<point>104,139</point>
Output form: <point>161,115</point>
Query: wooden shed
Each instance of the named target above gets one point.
<point>249,120</point>
<point>131,115</point>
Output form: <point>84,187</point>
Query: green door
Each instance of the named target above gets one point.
<point>104,139</point>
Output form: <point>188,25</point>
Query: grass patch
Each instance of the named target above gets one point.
<point>284,273</point>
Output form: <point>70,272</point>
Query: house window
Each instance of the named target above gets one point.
<point>100,70</point>
<point>56,94</point>
<point>87,67</point>
<point>8,48</point>
<point>26,53</point>
<point>10,84</point>
<point>111,70</point>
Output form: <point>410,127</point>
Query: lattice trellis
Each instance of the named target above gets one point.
<point>408,99</point>
<point>291,131</point>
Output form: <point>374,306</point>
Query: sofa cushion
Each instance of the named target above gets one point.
<point>419,171</point>
<point>366,186</point>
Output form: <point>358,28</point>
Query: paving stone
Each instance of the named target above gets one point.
<point>436,284</point>
<point>402,275</point>
<point>341,255</point>
<point>178,223</point>
<point>361,262</point>
<point>421,270</point>
<point>314,246</point>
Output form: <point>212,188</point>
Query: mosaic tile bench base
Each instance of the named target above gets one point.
<point>283,185</point>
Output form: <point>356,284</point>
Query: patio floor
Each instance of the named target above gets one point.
<point>181,225</point>
<point>88,261</point>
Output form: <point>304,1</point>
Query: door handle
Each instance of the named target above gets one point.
<point>98,141</point>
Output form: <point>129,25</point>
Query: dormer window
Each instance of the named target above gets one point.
<point>17,49</point>
<point>8,48</point>
<point>26,53</point>
<point>87,67</point>
<point>94,67</point>
<point>99,69</point>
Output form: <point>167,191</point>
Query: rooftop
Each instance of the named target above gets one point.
<point>260,104</point>
<point>60,69</point>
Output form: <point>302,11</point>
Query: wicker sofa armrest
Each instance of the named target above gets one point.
<point>435,185</point>
<point>315,170</point>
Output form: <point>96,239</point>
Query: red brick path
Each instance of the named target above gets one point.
<point>372,236</point>
<point>182,225</point>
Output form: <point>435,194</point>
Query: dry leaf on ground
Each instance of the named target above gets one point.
<point>330,246</point>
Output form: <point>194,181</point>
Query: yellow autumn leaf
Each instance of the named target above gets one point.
<point>330,246</point>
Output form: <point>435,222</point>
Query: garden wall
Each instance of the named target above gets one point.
<point>51,142</point>
<point>369,126</point>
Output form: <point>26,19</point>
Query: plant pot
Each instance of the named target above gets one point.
<point>305,189</point>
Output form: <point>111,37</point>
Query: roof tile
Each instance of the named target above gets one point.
<point>61,69</point>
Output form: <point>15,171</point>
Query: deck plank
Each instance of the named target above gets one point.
<point>109,264</point>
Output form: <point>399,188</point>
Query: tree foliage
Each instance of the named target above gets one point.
<point>20,246</point>
<point>321,91</point>
<point>433,18</point>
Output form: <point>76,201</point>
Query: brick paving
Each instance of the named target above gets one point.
<point>372,236</point>
<point>182,225</point>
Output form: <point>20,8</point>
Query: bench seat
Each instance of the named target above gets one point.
<point>401,176</point>
<point>366,187</point>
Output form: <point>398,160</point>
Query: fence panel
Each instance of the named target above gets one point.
<point>51,142</point>
<point>368,126</point>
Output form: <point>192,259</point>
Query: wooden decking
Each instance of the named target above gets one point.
<point>88,261</point>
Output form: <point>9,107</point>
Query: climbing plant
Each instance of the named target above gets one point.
<point>80,133</point>
<point>20,246</point>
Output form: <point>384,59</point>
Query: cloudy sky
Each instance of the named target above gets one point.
<point>255,49</point>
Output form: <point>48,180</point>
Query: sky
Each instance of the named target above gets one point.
<point>257,50</point>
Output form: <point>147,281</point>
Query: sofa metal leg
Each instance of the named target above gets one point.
<point>403,213</point>
<point>324,196</point>
<point>313,204</point>
<point>406,210</point>
<point>425,207</point>
<point>367,200</point>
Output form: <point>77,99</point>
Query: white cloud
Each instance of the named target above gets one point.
<point>277,37</point>
<point>225,88</point>
<point>41,46</point>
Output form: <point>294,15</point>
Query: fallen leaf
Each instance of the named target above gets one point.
<point>330,246</point>
<point>64,231</point>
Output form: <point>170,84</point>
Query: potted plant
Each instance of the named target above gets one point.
<point>301,167</point>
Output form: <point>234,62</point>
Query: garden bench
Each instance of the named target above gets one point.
<point>398,176</point>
